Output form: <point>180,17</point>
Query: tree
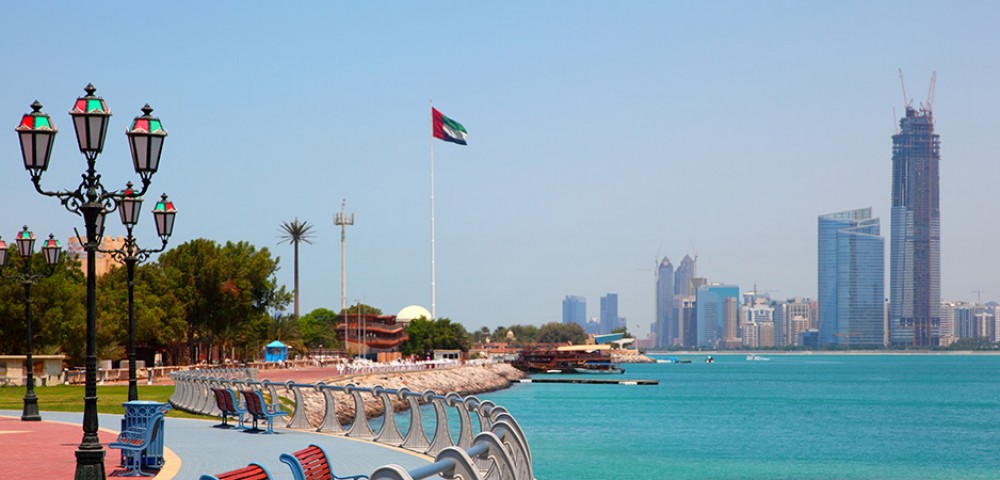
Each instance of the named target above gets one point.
<point>556,332</point>
<point>295,232</point>
<point>318,328</point>
<point>428,335</point>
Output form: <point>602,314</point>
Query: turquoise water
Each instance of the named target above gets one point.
<point>793,417</point>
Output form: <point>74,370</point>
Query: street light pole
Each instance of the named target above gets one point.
<point>91,201</point>
<point>130,254</point>
<point>25,245</point>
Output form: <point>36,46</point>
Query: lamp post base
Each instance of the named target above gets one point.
<point>30,411</point>
<point>90,465</point>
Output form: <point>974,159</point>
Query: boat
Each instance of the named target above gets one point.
<point>672,360</point>
<point>599,366</point>
<point>547,360</point>
<point>753,357</point>
<point>709,359</point>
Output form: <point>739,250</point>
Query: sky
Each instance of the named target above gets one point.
<point>603,136</point>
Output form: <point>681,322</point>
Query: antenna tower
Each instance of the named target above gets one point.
<point>343,220</point>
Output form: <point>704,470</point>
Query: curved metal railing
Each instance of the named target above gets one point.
<point>491,448</point>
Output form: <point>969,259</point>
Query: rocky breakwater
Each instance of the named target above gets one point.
<point>630,356</point>
<point>464,380</point>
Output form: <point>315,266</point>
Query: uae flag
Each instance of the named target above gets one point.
<point>447,129</point>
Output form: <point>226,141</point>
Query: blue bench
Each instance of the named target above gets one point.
<point>260,410</point>
<point>133,442</point>
<point>312,463</point>
<point>229,405</point>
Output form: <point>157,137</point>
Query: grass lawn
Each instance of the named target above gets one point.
<point>69,398</point>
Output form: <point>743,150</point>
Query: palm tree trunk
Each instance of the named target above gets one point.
<point>296,280</point>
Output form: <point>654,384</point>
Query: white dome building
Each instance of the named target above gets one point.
<point>412,312</point>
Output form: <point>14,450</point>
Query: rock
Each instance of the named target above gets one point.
<point>464,380</point>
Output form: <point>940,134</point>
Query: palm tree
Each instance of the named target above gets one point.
<point>294,232</point>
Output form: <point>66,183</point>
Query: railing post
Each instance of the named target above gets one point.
<point>359,427</point>
<point>465,423</point>
<point>442,435</point>
<point>390,432</point>
<point>330,421</point>
<point>416,439</point>
<point>299,417</point>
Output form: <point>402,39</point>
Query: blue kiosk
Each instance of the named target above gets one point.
<point>275,352</point>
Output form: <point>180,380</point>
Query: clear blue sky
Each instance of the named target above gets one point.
<point>600,134</point>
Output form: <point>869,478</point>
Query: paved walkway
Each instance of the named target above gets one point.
<point>44,450</point>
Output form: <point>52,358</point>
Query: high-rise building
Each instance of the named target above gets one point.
<point>686,271</point>
<point>666,321</point>
<point>851,279</point>
<point>574,310</point>
<point>687,321</point>
<point>609,312</point>
<point>915,248</point>
<point>710,306</point>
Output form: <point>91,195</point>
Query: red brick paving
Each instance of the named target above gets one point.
<point>46,450</point>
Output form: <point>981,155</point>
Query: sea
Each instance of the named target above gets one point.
<point>789,417</point>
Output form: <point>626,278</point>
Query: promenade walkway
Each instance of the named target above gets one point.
<point>44,450</point>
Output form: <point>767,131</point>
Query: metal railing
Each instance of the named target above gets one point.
<point>492,448</point>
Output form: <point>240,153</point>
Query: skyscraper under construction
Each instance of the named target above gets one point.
<point>915,248</point>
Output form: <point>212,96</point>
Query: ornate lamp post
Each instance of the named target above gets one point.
<point>91,201</point>
<point>129,205</point>
<point>25,248</point>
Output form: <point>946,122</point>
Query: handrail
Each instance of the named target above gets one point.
<point>496,449</point>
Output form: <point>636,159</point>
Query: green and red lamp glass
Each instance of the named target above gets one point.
<point>90,119</point>
<point>52,251</point>
<point>129,205</point>
<point>25,242</point>
<point>164,213</point>
<point>36,133</point>
<point>145,138</point>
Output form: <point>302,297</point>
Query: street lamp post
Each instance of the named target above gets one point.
<point>129,204</point>
<point>91,201</point>
<point>25,248</point>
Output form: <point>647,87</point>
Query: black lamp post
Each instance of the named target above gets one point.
<point>25,248</point>
<point>91,201</point>
<point>129,204</point>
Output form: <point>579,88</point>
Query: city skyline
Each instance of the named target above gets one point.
<point>599,137</point>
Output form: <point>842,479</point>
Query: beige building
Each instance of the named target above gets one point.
<point>103,261</point>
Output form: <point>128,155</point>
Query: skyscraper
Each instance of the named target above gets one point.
<point>666,321</point>
<point>574,310</point>
<point>609,312</point>
<point>711,310</point>
<point>915,248</point>
<point>851,279</point>
<point>686,271</point>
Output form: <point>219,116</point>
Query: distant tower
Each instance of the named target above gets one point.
<point>342,220</point>
<point>851,279</point>
<point>686,271</point>
<point>609,312</point>
<point>666,321</point>
<point>915,248</point>
<point>711,310</point>
<point>574,310</point>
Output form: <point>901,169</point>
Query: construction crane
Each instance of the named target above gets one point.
<point>906,100</point>
<point>929,107</point>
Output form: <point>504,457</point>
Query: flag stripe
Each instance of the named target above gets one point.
<point>447,129</point>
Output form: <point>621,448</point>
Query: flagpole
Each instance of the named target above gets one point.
<point>433,249</point>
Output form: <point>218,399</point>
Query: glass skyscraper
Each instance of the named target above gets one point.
<point>711,310</point>
<point>666,322</point>
<point>851,279</point>
<point>609,312</point>
<point>574,310</point>
<point>915,248</point>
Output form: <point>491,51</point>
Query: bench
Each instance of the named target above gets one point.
<point>254,471</point>
<point>312,463</point>
<point>227,402</point>
<point>133,442</point>
<point>260,410</point>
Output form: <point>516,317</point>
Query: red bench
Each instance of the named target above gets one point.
<point>312,463</point>
<point>259,410</point>
<point>254,471</point>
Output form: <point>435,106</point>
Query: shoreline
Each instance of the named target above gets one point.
<point>464,380</point>
<point>824,352</point>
